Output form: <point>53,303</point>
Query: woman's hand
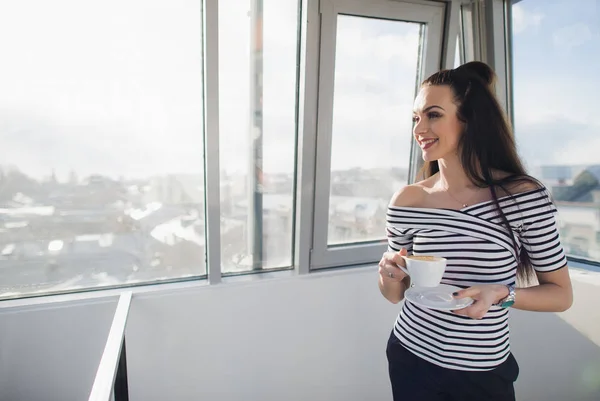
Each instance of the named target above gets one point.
<point>388,266</point>
<point>484,295</point>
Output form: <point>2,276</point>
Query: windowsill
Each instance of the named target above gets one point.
<point>582,264</point>
<point>579,271</point>
<point>154,289</point>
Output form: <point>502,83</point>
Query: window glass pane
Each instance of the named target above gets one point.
<point>376,73</point>
<point>101,181</point>
<point>257,88</point>
<point>466,24</point>
<point>556,61</point>
<point>457,61</point>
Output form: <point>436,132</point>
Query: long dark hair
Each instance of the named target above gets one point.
<point>487,143</point>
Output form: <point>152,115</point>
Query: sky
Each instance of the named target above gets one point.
<point>556,62</point>
<point>115,87</point>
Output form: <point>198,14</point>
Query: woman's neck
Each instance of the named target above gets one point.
<point>453,176</point>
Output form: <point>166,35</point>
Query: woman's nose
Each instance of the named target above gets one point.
<point>420,128</point>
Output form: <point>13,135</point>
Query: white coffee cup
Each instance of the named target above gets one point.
<point>424,270</point>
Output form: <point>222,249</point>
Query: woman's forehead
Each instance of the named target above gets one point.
<point>430,95</point>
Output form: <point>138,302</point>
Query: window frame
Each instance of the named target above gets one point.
<point>311,191</point>
<point>212,174</point>
<point>432,14</point>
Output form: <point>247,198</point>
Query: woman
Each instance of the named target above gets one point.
<point>477,208</point>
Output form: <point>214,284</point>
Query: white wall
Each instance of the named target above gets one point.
<point>556,362</point>
<point>318,337</point>
<point>560,353</point>
<point>51,352</point>
<point>321,337</point>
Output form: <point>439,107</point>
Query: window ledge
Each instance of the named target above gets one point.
<point>112,294</point>
<point>580,272</point>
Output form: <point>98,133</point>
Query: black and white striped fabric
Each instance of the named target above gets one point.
<point>479,250</point>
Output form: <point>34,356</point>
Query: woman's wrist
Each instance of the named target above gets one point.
<point>502,291</point>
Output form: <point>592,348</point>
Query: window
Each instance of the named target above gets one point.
<point>555,62</point>
<point>362,180</point>
<point>457,53</point>
<point>465,41</point>
<point>373,56</point>
<point>101,112</point>
<point>258,46</point>
<point>468,27</point>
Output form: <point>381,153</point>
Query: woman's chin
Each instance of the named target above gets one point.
<point>428,157</point>
<point>435,155</point>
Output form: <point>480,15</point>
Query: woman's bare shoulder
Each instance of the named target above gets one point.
<point>412,195</point>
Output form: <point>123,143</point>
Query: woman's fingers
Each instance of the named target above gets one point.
<point>475,311</point>
<point>388,266</point>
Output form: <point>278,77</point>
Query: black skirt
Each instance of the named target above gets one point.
<point>415,379</point>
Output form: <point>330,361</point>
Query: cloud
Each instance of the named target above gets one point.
<point>121,94</point>
<point>543,95</point>
<point>576,152</point>
<point>374,88</point>
<point>102,92</point>
<point>376,64</point>
<point>554,123</point>
<point>568,37</point>
<point>279,85</point>
<point>523,19</point>
<point>558,140</point>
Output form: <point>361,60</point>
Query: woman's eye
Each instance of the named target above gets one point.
<point>433,115</point>
<point>415,119</point>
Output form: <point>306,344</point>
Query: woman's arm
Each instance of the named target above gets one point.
<point>541,242</point>
<point>553,294</point>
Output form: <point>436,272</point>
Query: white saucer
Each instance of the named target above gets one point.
<point>439,297</point>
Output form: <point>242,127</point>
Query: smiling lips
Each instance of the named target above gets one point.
<point>427,143</point>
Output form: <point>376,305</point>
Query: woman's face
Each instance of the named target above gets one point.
<point>437,129</point>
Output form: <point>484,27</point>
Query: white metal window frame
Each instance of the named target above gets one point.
<point>496,46</point>
<point>468,28</point>
<point>307,183</point>
<point>428,13</point>
<point>485,26</point>
<point>508,15</point>
<point>491,40</point>
<point>212,173</point>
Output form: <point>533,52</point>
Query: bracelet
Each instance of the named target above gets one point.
<point>508,300</point>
